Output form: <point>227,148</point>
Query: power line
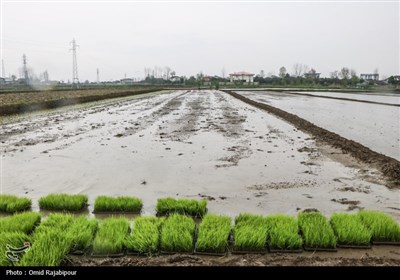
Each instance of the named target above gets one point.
<point>75,79</point>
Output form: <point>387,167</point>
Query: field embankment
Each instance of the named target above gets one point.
<point>17,103</point>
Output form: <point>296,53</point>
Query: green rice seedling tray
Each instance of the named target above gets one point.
<point>217,254</point>
<point>197,218</point>
<point>117,212</point>
<point>320,249</point>
<point>134,253</point>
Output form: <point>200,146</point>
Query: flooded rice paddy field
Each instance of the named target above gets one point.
<point>187,144</point>
<point>375,126</point>
<point>379,97</point>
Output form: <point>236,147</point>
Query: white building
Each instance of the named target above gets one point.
<point>369,77</point>
<point>241,77</point>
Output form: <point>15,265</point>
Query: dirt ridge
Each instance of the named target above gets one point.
<point>11,109</point>
<point>390,167</point>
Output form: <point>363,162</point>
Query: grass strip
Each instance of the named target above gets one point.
<point>192,207</point>
<point>283,233</point>
<point>213,234</point>
<point>250,233</point>
<point>145,235</point>
<point>110,237</point>
<point>177,234</point>
<point>23,222</point>
<point>316,230</point>
<point>63,202</point>
<point>117,204</point>
<point>12,203</point>
<point>383,227</point>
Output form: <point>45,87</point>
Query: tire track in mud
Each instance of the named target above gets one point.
<point>209,111</point>
<point>389,167</point>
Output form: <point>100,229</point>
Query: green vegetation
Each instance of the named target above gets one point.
<point>317,233</point>
<point>192,207</point>
<point>13,240</point>
<point>177,234</point>
<point>58,221</point>
<point>110,238</point>
<point>145,236</point>
<point>382,226</point>
<point>63,202</point>
<point>81,233</point>
<point>12,203</point>
<point>49,249</point>
<point>349,229</point>
<point>23,222</point>
<point>283,233</point>
<point>250,233</point>
<point>213,235</point>
<point>117,204</point>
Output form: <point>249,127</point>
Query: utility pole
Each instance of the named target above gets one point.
<point>25,69</point>
<point>3,72</point>
<point>75,79</point>
<point>98,76</point>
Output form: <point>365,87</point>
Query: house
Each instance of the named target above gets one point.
<point>175,79</point>
<point>126,81</point>
<point>369,77</point>
<point>312,74</point>
<point>241,77</point>
<point>2,81</point>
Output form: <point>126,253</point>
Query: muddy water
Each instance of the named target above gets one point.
<point>373,125</point>
<point>389,98</point>
<point>191,144</point>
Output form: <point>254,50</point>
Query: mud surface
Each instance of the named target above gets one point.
<point>377,256</point>
<point>372,125</point>
<point>187,144</point>
<point>390,167</point>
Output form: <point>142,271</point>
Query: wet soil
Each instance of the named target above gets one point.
<point>377,256</point>
<point>390,167</point>
<point>186,144</point>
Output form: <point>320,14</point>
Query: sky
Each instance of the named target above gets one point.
<point>122,38</point>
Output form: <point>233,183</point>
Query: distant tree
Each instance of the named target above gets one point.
<point>392,81</point>
<point>344,73</point>
<point>299,69</point>
<point>262,74</point>
<point>167,72</point>
<point>223,72</point>
<point>282,72</point>
<point>334,74</point>
<point>354,77</point>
